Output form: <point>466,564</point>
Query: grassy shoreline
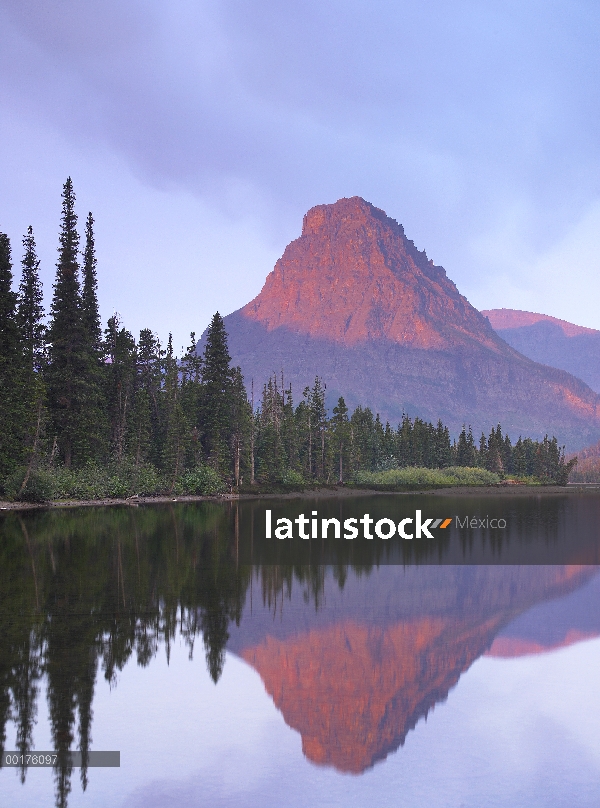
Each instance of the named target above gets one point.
<point>497,490</point>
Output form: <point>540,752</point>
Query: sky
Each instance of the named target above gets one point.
<point>199,132</point>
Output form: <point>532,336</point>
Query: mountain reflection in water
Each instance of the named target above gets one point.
<point>352,656</point>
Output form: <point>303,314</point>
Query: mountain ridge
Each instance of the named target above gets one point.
<point>380,286</point>
<point>551,341</point>
<point>353,301</point>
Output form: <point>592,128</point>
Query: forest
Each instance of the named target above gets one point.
<point>90,412</point>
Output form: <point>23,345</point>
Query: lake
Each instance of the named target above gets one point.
<point>230,667</point>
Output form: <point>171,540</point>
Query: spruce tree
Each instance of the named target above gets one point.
<point>9,332</point>
<point>11,367</point>
<point>89,292</point>
<point>466,451</point>
<point>443,451</point>
<point>72,379</point>
<point>271,455</point>
<point>191,389</point>
<point>215,407</point>
<point>97,427</point>
<point>289,430</point>
<point>149,415</point>
<point>241,424</point>
<point>341,435</point>
<point>315,426</point>
<point>120,378</point>
<point>519,460</point>
<point>30,319</point>
<point>177,431</point>
<point>30,312</point>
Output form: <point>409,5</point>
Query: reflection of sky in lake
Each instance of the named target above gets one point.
<point>514,732</point>
<point>335,665</point>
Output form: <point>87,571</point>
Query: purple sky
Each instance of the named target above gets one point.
<point>199,132</point>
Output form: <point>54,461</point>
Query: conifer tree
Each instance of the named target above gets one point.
<point>341,434</point>
<point>271,455</point>
<point>495,447</point>
<point>12,409</point>
<point>68,369</point>
<point>73,374</point>
<point>191,390</point>
<point>89,293</point>
<point>443,447</point>
<point>97,426</point>
<point>149,416</point>
<point>9,332</point>
<point>30,312</point>
<point>176,427</point>
<point>466,451</point>
<point>519,460</point>
<point>404,442</point>
<point>67,336</point>
<point>215,407</point>
<point>290,436</point>
<point>241,423</point>
<point>364,443</point>
<point>120,375</point>
<point>315,423</point>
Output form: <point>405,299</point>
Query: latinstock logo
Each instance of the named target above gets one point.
<point>312,528</point>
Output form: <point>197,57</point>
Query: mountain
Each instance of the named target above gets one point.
<point>551,341</point>
<point>353,301</point>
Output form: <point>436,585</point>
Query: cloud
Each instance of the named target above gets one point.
<point>447,115</point>
<point>286,97</point>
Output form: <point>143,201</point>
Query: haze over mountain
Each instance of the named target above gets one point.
<point>551,341</point>
<point>355,302</point>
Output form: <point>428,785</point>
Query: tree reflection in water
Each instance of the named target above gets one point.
<point>90,589</point>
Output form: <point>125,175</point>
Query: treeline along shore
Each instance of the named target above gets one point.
<point>92,413</point>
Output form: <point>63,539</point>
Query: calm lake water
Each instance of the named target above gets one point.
<point>232,669</point>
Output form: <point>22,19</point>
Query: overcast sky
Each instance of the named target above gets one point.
<point>199,132</point>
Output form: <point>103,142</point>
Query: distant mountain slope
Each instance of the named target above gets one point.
<point>355,302</point>
<point>551,341</point>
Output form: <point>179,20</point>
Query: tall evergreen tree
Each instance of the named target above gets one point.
<point>191,390</point>
<point>97,427</point>
<point>73,374</point>
<point>67,334</point>
<point>12,408</point>
<point>241,423</point>
<point>271,454</point>
<point>215,406</point>
<point>341,435</point>
<point>120,379</point>
<point>466,451</point>
<point>89,292</point>
<point>177,431</point>
<point>149,416</point>
<point>30,312</point>
<point>9,331</point>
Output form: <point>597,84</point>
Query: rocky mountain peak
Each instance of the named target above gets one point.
<point>354,276</point>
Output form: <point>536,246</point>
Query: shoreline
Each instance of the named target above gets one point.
<point>315,493</point>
